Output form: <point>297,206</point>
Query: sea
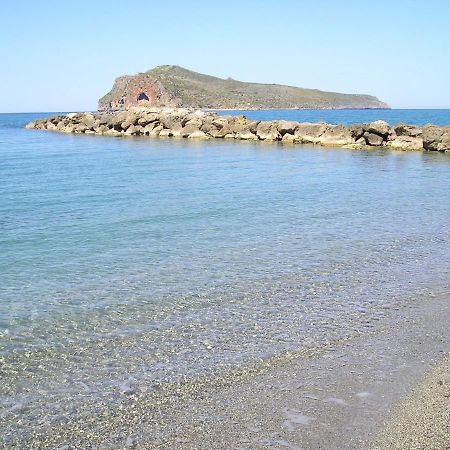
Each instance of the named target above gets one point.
<point>166,260</point>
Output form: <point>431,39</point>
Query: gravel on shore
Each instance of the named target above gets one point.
<point>422,418</point>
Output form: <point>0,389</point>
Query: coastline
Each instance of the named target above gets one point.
<point>199,124</point>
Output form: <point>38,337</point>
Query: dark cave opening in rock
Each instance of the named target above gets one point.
<point>142,96</point>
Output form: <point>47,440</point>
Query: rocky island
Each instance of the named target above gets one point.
<point>198,124</point>
<point>174,86</point>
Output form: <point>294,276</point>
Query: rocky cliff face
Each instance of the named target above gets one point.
<point>173,86</point>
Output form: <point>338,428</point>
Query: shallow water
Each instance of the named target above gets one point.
<point>147,260</point>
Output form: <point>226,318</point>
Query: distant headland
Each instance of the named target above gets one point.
<point>174,86</point>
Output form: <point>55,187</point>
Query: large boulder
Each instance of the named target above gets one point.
<point>268,131</point>
<point>357,131</point>
<point>134,130</point>
<point>147,118</point>
<point>432,136</point>
<point>379,127</point>
<point>174,118</point>
<point>115,120</point>
<point>436,138</point>
<point>373,139</point>
<point>246,135</point>
<point>310,132</point>
<point>286,126</point>
<point>190,127</point>
<point>445,141</point>
<point>402,129</point>
<point>198,135</point>
<point>336,135</point>
<point>88,120</point>
<point>406,143</point>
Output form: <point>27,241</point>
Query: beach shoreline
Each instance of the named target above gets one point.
<point>340,396</point>
<point>422,418</point>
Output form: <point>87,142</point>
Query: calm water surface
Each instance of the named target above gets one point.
<point>419,117</point>
<point>166,259</point>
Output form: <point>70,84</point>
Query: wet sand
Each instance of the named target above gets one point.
<point>338,397</point>
<point>422,419</point>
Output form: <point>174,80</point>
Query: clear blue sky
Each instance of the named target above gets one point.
<point>62,56</point>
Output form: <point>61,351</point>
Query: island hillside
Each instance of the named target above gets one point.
<point>174,86</point>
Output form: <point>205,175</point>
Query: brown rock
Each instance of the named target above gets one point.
<point>246,135</point>
<point>268,131</point>
<point>379,127</point>
<point>198,135</point>
<point>407,143</point>
<point>286,126</point>
<point>336,135</point>
<point>310,132</point>
<point>432,136</point>
<point>402,129</point>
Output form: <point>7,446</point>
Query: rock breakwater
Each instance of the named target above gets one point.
<point>198,124</point>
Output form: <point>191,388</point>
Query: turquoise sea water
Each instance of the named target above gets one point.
<point>166,259</point>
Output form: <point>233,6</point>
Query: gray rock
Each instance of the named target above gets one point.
<point>373,139</point>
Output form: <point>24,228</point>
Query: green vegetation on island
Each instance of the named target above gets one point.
<point>175,86</point>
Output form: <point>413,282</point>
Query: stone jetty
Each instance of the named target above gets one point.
<point>198,124</point>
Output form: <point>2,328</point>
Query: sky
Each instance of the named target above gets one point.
<point>63,56</point>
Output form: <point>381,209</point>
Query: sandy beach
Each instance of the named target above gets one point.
<point>351,394</point>
<point>422,419</point>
